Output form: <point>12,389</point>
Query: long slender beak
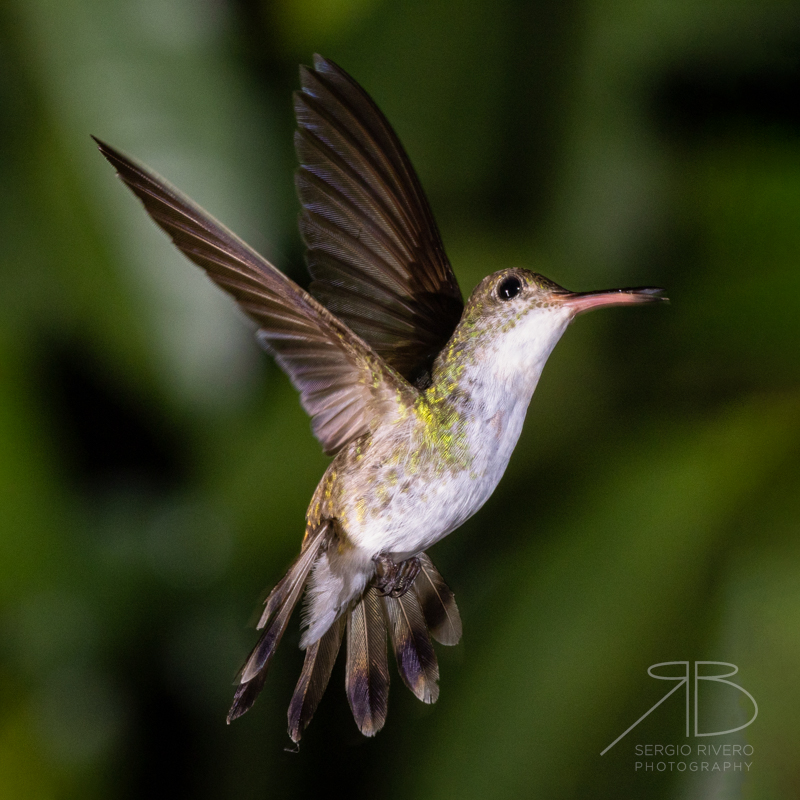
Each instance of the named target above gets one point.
<point>580,302</point>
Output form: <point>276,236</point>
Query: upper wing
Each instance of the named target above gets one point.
<point>373,246</point>
<point>343,384</point>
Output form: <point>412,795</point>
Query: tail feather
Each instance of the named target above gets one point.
<point>438,603</point>
<point>317,668</point>
<point>428,610</point>
<point>279,607</point>
<point>413,650</point>
<point>367,673</point>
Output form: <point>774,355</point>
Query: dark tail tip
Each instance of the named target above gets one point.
<point>245,696</point>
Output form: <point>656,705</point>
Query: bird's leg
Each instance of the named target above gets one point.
<point>385,572</point>
<point>395,579</point>
<point>407,572</point>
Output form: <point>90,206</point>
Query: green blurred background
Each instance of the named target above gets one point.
<point>155,466</point>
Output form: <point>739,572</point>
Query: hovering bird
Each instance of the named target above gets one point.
<point>419,398</point>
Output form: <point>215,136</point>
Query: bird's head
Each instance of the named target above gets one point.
<point>515,317</point>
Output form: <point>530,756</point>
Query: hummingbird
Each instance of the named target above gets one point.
<point>419,397</point>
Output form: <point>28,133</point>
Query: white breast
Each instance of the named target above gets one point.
<point>429,504</point>
<point>434,502</point>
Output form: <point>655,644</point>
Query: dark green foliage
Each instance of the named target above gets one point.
<point>155,467</point>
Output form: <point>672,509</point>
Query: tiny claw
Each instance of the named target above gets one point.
<point>406,575</point>
<point>395,579</point>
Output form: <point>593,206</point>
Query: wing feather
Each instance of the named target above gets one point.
<point>344,384</point>
<point>374,250</point>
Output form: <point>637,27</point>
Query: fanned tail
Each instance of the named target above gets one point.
<point>278,609</point>
<point>426,611</point>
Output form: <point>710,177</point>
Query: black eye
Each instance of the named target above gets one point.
<point>509,288</point>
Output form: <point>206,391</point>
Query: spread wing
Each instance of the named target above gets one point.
<point>374,250</point>
<point>343,384</point>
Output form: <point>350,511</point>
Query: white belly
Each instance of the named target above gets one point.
<point>430,502</point>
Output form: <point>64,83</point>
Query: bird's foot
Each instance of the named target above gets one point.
<point>395,579</point>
